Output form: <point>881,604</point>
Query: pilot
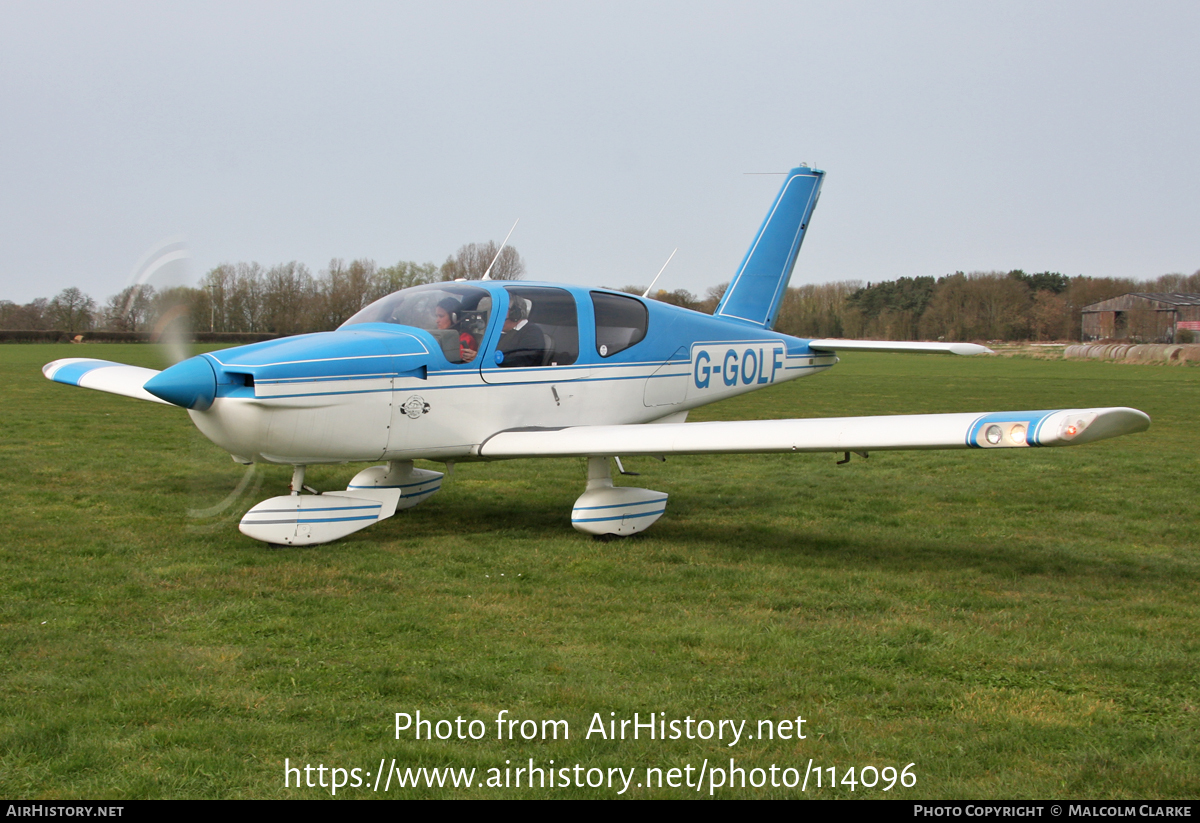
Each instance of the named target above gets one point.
<point>446,318</point>
<point>523,343</point>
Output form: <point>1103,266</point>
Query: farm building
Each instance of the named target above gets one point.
<point>1146,317</point>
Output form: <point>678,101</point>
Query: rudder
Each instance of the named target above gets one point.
<point>758,287</point>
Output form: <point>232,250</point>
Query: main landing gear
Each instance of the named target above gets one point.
<point>298,519</point>
<point>609,511</point>
<point>307,519</point>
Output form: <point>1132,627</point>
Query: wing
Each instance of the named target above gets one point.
<point>898,346</point>
<point>103,375</point>
<point>989,430</point>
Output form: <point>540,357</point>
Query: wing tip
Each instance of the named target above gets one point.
<point>1076,427</point>
<point>898,346</point>
<point>102,375</point>
<point>969,349</point>
<point>54,369</point>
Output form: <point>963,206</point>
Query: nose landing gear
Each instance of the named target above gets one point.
<point>308,519</point>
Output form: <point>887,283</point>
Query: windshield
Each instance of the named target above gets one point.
<point>454,313</point>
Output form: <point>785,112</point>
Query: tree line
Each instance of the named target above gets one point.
<point>288,299</point>
<point>247,297</point>
<point>1009,305</point>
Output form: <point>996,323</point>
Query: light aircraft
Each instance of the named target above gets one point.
<point>487,370</point>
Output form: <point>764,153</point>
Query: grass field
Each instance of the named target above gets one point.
<point>1015,624</point>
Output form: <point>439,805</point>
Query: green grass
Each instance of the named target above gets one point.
<point>1017,624</point>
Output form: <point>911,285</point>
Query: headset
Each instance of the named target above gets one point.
<point>518,309</point>
<point>445,305</point>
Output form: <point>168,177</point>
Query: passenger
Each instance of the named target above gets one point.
<point>446,314</point>
<point>446,318</point>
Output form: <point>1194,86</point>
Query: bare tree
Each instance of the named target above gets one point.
<point>72,310</point>
<point>1049,319</point>
<point>679,297</point>
<point>245,307</point>
<point>131,309</point>
<point>712,297</point>
<point>472,260</point>
<point>817,311</point>
<point>218,286</point>
<point>31,316</point>
<point>1182,283</point>
<point>288,296</point>
<point>403,275</point>
<point>344,289</point>
<point>980,306</point>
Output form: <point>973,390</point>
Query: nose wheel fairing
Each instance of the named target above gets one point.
<point>309,519</point>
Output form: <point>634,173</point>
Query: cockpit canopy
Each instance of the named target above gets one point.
<point>541,328</point>
<point>456,314</point>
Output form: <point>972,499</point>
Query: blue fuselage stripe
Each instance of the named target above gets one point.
<point>299,520</point>
<point>326,509</point>
<point>619,505</point>
<point>550,378</point>
<point>616,517</point>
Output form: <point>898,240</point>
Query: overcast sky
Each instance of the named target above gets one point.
<point>956,136</point>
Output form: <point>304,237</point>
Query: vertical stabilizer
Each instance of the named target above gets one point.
<point>758,287</point>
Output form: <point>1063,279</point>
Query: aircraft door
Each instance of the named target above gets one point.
<point>538,340</point>
<point>433,409</point>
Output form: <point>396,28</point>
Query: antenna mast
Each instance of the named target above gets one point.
<point>646,293</point>
<point>487,274</point>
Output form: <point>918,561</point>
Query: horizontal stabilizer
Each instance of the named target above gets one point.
<point>898,346</point>
<point>103,375</point>
<point>833,434</point>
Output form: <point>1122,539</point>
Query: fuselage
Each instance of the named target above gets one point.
<point>391,384</point>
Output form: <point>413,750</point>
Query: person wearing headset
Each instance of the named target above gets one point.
<point>446,317</point>
<point>522,343</point>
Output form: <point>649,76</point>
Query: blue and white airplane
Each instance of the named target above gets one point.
<point>484,370</point>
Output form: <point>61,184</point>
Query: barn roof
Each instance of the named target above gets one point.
<point>1173,298</point>
<point>1166,298</point>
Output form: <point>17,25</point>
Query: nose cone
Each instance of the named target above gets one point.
<point>191,384</point>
